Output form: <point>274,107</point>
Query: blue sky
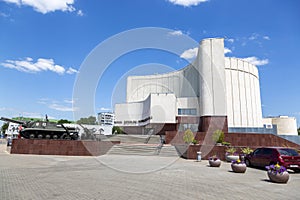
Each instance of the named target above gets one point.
<point>44,43</point>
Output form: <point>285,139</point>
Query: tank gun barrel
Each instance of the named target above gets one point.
<point>12,120</point>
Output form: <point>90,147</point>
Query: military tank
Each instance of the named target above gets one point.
<point>44,130</point>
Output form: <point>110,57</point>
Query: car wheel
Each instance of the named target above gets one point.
<point>247,161</point>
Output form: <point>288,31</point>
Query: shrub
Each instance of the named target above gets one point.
<point>231,150</point>
<point>246,150</point>
<point>226,143</point>
<point>218,136</point>
<point>188,136</point>
<point>195,141</point>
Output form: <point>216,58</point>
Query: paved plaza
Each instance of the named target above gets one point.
<point>132,177</point>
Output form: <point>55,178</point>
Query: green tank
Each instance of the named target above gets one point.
<point>44,130</point>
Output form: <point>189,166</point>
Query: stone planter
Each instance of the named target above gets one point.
<point>214,163</point>
<point>239,168</point>
<point>230,158</point>
<point>279,177</point>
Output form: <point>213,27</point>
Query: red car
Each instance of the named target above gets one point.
<point>287,157</point>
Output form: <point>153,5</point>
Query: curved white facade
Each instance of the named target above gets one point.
<point>212,86</point>
<point>243,94</point>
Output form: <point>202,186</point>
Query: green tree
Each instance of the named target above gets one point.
<point>218,136</point>
<point>117,130</point>
<point>188,136</point>
<point>90,120</point>
<point>4,127</point>
<point>299,131</point>
<point>63,121</point>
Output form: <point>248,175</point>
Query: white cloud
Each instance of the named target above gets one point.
<point>187,3</point>
<point>176,33</point>
<point>45,6</point>
<point>254,36</point>
<point>4,15</point>
<point>189,54</point>
<point>42,64</point>
<point>255,61</point>
<point>227,50</point>
<point>105,109</point>
<point>192,53</point>
<point>80,13</point>
<point>63,108</point>
<point>266,37</point>
<point>68,101</point>
<point>71,71</point>
<point>231,40</point>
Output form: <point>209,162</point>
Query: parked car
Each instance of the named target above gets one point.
<point>287,157</point>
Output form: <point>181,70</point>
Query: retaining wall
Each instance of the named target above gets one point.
<point>60,147</point>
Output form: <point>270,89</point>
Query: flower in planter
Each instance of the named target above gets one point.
<point>277,173</point>
<point>276,169</point>
<point>214,157</point>
<point>238,161</point>
<point>238,166</point>
<point>214,161</point>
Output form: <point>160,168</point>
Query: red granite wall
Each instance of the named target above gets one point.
<point>236,139</point>
<point>61,147</point>
<point>212,123</point>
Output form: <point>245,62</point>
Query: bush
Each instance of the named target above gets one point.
<point>195,141</point>
<point>188,136</point>
<point>246,150</point>
<point>231,150</point>
<point>218,136</point>
<point>226,143</point>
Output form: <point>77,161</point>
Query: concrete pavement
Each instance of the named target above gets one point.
<point>133,177</point>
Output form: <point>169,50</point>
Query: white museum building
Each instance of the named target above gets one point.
<point>212,92</point>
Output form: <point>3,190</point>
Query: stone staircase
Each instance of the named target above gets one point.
<point>134,139</point>
<point>143,150</point>
<point>168,151</point>
<point>140,145</point>
<point>134,149</point>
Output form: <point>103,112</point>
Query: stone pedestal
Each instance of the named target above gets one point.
<point>61,147</point>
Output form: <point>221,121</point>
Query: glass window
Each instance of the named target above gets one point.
<point>288,152</point>
<point>267,151</point>
<point>193,127</point>
<point>187,111</point>
<point>257,152</point>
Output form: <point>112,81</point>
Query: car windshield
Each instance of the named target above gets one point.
<point>288,152</point>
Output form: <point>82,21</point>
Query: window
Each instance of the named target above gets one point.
<point>267,151</point>
<point>187,111</point>
<point>258,151</point>
<point>288,152</point>
<point>193,127</point>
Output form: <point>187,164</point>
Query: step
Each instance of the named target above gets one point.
<point>168,151</point>
<point>134,149</point>
<point>134,139</point>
